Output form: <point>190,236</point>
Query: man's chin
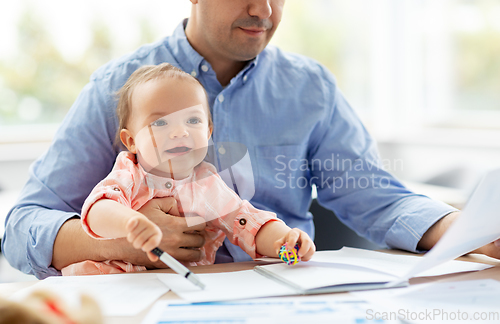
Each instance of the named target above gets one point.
<point>247,50</point>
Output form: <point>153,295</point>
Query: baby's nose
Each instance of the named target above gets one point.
<point>179,131</point>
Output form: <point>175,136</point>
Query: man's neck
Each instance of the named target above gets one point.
<point>224,68</point>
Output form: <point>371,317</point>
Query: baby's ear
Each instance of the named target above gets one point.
<point>210,129</point>
<point>128,140</point>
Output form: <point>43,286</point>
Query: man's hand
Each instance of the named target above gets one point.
<point>492,249</point>
<point>179,240</point>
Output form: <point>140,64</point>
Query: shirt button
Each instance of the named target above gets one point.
<point>116,189</point>
<point>168,185</point>
<point>221,98</point>
<point>243,221</point>
<point>204,68</point>
<point>245,78</point>
<point>193,73</point>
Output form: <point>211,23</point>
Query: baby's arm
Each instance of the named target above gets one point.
<point>110,219</point>
<point>272,235</point>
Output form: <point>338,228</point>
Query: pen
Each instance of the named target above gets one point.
<point>177,267</point>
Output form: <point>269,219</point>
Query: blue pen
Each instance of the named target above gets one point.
<point>177,267</point>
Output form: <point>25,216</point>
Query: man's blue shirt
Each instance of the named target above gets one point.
<point>285,108</point>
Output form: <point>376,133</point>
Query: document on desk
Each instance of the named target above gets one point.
<point>117,294</point>
<point>317,309</point>
<point>472,301</point>
<point>352,269</point>
<point>477,225</point>
<point>329,271</point>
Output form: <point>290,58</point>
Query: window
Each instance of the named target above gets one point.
<point>406,62</point>
<point>405,65</point>
<point>50,49</point>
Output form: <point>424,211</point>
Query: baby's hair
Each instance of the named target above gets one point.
<point>140,76</point>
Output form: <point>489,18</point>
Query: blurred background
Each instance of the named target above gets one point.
<point>424,76</point>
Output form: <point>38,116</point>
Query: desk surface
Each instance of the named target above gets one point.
<point>492,273</point>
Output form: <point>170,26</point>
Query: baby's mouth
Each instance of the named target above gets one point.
<point>179,149</point>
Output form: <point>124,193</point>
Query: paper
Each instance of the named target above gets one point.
<point>225,286</point>
<point>478,225</point>
<point>474,301</point>
<point>311,275</point>
<point>118,295</point>
<point>396,265</point>
<point>324,309</point>
<point>354,269</point>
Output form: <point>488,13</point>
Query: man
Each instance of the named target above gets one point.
<point>285,108</point>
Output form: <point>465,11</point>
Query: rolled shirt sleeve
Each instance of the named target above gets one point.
<point>31,230</point>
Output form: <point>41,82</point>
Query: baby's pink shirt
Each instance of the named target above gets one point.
<point>203,193</point>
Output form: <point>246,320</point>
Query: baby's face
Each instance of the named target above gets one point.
<point>169,126</point>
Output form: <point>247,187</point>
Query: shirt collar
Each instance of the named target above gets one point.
<point>191,61</point>
<point>162,183</point>
<point>188,59</point>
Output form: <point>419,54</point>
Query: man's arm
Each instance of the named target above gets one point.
<point>73,245</point>
<point>355,185</point>
<point>436,231</point>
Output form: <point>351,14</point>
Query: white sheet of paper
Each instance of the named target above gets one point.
<point>317,309</point>
<point>445,302</point>
<point>225,286</point>
<point>396,265</point>
<point>478,225</point>
<point>312,274</point>
<point>117,294</point>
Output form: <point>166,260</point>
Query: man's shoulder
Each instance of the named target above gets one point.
<point>122,67</point>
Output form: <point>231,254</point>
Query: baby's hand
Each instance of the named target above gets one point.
<point>307,247</point>
<point>144,235</point>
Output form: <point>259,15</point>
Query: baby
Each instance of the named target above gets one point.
<point>165,124</point>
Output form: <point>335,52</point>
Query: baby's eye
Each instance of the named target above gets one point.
<point>194,120</point>
<point>159,122</point>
